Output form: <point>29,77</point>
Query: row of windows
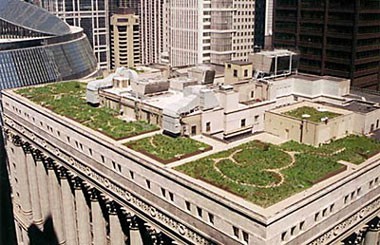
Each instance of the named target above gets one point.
<point>295,230</point>
<point>326,211</point>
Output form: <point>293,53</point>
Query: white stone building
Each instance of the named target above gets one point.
<point>204,31</point>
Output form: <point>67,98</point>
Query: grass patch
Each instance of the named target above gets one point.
<point>167,149</point>
<point>357,149</point>
<point>68,99</point>
<point>315,115</point>
<point>252,162</point>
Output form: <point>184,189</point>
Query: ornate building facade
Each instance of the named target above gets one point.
<point>91,189</point>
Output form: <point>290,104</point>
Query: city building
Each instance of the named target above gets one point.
<point>209,31</point>
<point>125,40</point>
<point>152,27</point>
<point>40,50</point>
<point>336,38</point>
<point>268,23</point>
<point>92,16</point>
<point>33,51</point>
<point>152,30</point>
<point>115,176</point>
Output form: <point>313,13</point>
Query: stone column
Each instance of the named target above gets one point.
<point>98,222</point>
<point>134,233</point>
<point>22,177</point>
<point>69,217</point>
<point>43,186</point>
<point>82,213</point>
<point>372,236</point>
<point>116,232</point>
<point>25,237</point>
<point>55,201</point>
<point>33,186</point>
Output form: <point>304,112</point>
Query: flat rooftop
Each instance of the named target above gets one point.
<point>310,77</point>
<point>261,172</point>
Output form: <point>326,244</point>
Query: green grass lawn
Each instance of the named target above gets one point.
<point>357,148</point>
<point>248,176</point>
<point>167,148</point>
<point>315,115</point>
<point>68,99</point>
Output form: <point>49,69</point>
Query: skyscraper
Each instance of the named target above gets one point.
<point>92,16</point>
<point>151,18</point>
<point>214,31</point>
<point>338,38</point>
<point>125,39</point>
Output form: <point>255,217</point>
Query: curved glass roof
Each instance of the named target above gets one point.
<point>31,17</point>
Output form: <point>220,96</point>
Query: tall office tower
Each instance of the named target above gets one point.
<point>268,23</point>
<point>152,30</point>
<point>92,16</point>
<point>203,31</point>
<point>125,40</point>
<point>263,23</point>
<point>151,16</point>
<point>339,38</point>
<point>260,24</point>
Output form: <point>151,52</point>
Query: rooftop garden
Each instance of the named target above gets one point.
<point>68,99</point>
<point>266,174</point>
<point>166,149</point>
<point>311,114</point>
<point>354,149</point>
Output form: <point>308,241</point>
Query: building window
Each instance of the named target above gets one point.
<point>103,159</point>
<point>302,225</point>
<point>148,184</point>
<point>324,212</point>
<point>252,94</point>
<point>257,118</point>
<point>316,216</point>
<point>245,73</point>
<point>208,126</point>
<point>188,205</point>
<point>332,208</point>
<point>199,211</point>
<point>132,174</point>
<point>236,231</point>
<point>292,230</point>
<point>235,73</point>
<point>245,237</point>
<point>211,218</point>
<point>346,199</point>
<point>283,236</point>
<point>242,123</point>
<point>171,196</point>
<point>163,192</point>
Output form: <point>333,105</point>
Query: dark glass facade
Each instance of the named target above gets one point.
<point>338,38</point>
<point>91,15</point>
<point>260,23</point>
<point>32,54</point>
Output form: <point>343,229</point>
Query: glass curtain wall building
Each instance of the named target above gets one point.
<point>92,16</point>
<point>40,49</point>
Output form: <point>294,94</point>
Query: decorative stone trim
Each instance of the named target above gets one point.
<point>339,229</point>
